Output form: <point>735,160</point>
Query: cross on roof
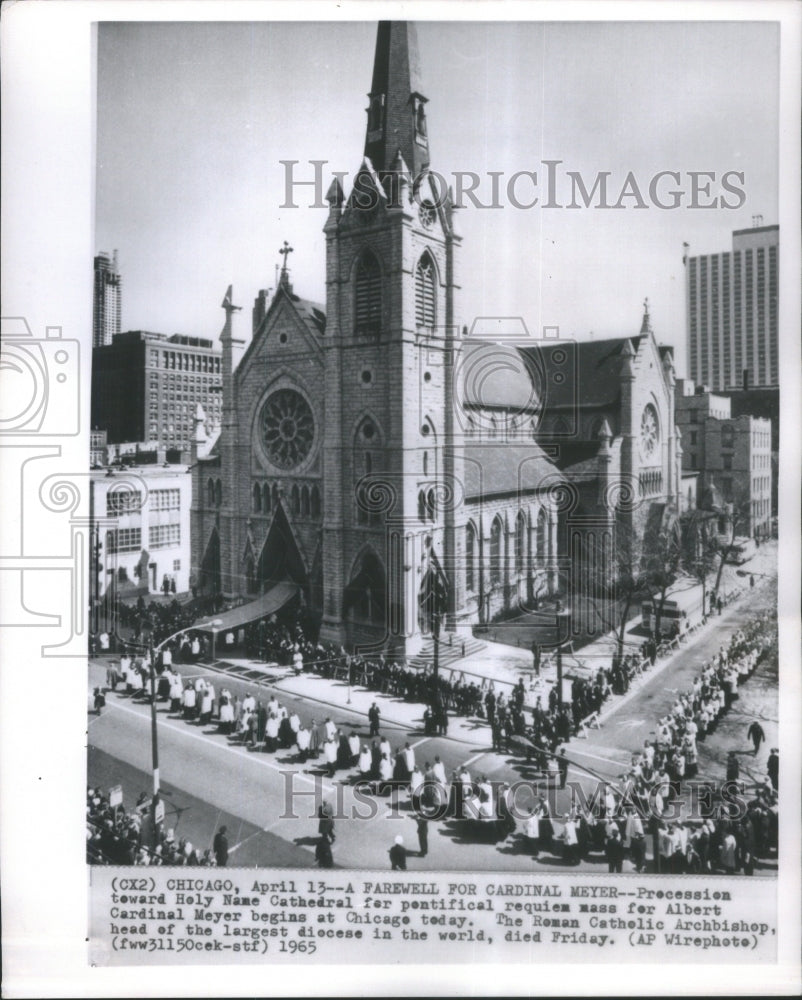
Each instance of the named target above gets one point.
<point>286,249</point>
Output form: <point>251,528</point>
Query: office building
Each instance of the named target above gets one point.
<point>146,388</point>
<point>732,312</point>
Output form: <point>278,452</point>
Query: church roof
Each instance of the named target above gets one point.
<point>597,364</point>
<point>501,469</point>
<point>312,313</point>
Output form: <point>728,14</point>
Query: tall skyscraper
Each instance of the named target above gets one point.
<point>731,308</point>
<point>106,314</point>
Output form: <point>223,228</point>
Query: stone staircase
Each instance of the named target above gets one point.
<point>448,653</point>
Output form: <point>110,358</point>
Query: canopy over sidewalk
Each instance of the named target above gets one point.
<point>268,603</point>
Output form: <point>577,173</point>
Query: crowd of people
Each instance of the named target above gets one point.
<point>119,836</point>
<point>618,821</point>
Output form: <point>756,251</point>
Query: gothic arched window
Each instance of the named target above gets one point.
<point>210,493</point>
<point>257,499</point>
<point>542,525</point>
<point>218,493</point>
<point>431,505</point>
<point>520,542</point>
<point>425,312</point>
<point>495,551</point>
<point>296,500</point>
<point>368,295</point>
<point>315,502</point>
<point>266,498</point>
<point>305,501</point>
<point>470,549</point>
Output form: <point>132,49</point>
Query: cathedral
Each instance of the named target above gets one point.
<point>359,470</point>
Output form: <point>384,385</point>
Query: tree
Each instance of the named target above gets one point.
<point>732,519</point>
<point>662,563</point>
<point>628,572</point>
<point>699,547</point>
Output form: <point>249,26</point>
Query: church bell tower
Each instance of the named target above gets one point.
<point>392,466</point>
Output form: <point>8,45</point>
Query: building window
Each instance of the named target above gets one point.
<point>425,313</point>
<point>162,536</point>
<point>520,542</point>
<point>727,461</point>
<point>257,498</point>
<point>124,540</point>
<point>542,529</point>
<point>495,551</point>
<point>470,548</point>
<point>727,436</point>
<point>315,502</point>
<point>121,501</point>
<point>305,501</point>
<point>165,500</point>
<point>368,295</point>
<point>176,565</point>
<point>693,437</point>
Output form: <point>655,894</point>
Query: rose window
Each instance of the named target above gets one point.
<point>649,433</point>
<point>288,428</point>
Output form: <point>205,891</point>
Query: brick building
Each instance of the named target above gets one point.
<point>733,455</point>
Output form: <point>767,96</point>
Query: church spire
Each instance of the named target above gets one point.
<point>396,114</point>
<point>646,324</point>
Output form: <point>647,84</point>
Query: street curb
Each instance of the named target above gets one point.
<point>393,722</point>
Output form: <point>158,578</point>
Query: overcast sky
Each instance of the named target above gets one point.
<point>194,119</point>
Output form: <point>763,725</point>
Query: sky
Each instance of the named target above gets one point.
<point>194,119</point>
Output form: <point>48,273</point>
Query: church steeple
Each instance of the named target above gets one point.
<point>396,114</point>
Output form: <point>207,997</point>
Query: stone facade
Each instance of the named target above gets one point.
<point>340,463</point>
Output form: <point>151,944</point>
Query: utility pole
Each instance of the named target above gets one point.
<point>154,737</point>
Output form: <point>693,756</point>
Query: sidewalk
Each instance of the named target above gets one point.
<point>497,663</point>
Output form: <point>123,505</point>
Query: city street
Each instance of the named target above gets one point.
<point>209,779</point>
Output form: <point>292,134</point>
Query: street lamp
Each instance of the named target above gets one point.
<point>563,618</point>
<point>215,625</point>
<point>436,621</point>
<point>154,737</point>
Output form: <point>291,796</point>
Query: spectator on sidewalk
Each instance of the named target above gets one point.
<point>220,847</point>
<point>398,855</point>
<point>374,715</point>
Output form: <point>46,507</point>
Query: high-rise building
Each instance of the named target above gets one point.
<point>146,387</point>
<point>107,304</point>
<point>732,312</point>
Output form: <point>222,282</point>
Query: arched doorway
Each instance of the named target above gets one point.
<point>365,599</point>
<point>280,559</point>
<point>209,579</point>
